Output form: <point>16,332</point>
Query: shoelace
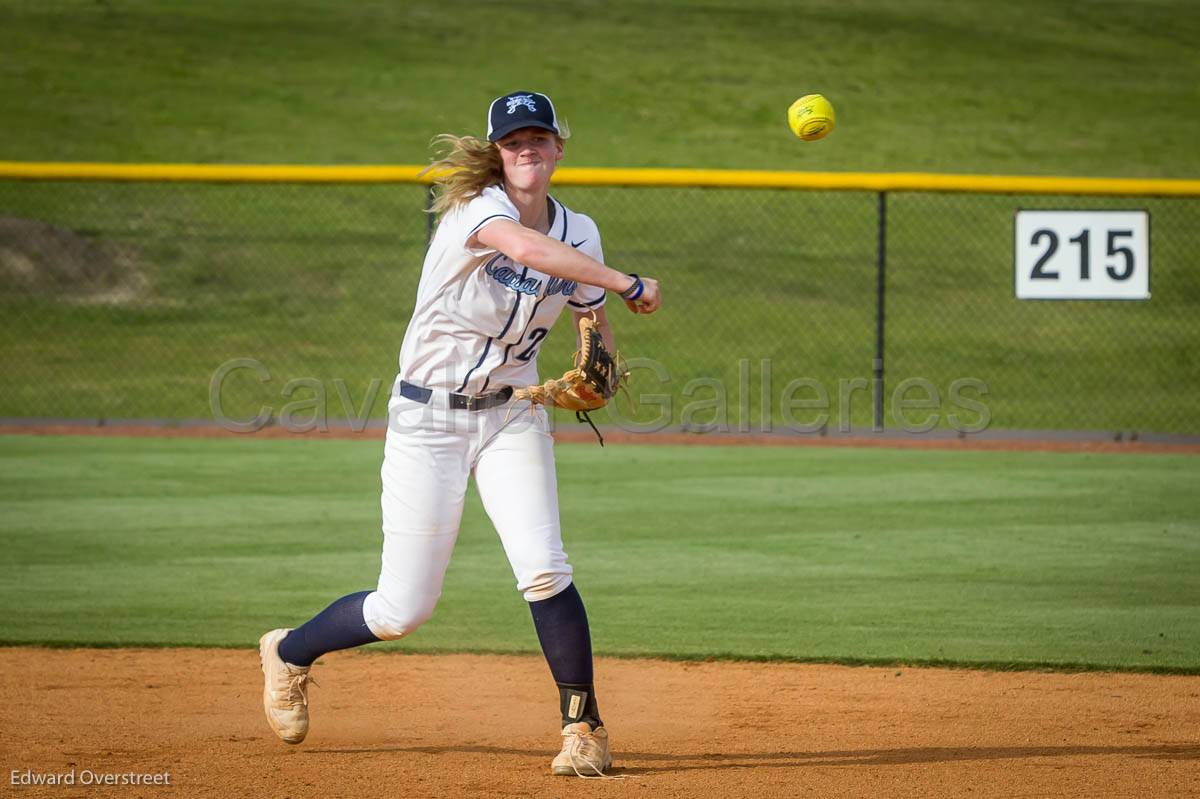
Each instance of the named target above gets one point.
<point>295,689</point>
<point>593,760</point>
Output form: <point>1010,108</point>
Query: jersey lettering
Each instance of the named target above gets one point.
<point>559,285</point>
<point>507,276</point>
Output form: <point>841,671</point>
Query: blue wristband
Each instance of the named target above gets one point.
<point>633,292</point>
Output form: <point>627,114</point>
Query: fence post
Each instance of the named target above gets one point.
<point>880,268</point>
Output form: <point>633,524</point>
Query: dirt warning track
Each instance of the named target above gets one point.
<point>1186,445</point>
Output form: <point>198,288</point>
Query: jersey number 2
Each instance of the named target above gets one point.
<point>535,337</point>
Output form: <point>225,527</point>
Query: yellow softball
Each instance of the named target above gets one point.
<point>811,117</point>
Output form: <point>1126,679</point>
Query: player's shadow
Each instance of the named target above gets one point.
<point>633,762</point>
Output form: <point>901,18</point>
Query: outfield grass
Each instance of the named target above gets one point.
<point>1006,559</point>
<point>319,282</point>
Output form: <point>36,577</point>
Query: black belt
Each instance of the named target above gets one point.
<point>459,402</point>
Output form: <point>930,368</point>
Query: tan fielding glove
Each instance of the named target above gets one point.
<point>589,386</point>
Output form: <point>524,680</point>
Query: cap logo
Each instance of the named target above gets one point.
<point>518,100</point>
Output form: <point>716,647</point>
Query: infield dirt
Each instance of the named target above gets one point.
<point>388,725</point>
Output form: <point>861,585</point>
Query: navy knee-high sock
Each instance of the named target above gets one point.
<point>339,626</point>
<point>562,629</point>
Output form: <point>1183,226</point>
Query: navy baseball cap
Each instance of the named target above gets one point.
<point>520,110</point>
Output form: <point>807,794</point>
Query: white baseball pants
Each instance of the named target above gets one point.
<point>429,454</point>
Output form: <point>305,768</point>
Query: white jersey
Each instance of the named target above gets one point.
<point>480,317</point>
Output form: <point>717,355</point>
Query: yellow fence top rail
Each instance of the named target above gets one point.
<point>568,176</point>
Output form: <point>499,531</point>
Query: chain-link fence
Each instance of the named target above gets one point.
<point>181,300</point>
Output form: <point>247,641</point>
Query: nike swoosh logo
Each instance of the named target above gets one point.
<point>577,243</point>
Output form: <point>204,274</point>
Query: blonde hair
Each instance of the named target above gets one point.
<point>465,167</point>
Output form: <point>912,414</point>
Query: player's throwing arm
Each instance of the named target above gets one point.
<point>527,246</point>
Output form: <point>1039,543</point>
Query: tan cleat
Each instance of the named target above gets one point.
<point>285,690</point>
<point>584,752</point>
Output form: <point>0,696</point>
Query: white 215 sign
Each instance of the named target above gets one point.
<point>1082,255</point>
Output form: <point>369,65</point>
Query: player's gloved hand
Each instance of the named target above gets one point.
<point>594,380</point>
<point>643,295</point>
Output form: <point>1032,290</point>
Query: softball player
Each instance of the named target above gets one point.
<point>505,260</point>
